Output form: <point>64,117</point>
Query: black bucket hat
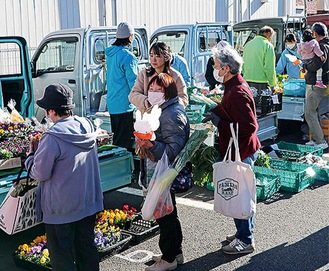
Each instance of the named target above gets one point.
<point>57,97</point>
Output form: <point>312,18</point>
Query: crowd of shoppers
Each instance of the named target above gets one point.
<point>66,163</point>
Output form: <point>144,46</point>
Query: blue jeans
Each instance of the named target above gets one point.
<point>245,227</point>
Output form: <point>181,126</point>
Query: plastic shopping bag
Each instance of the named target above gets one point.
<point>158,202</point>
<point>235,185</point>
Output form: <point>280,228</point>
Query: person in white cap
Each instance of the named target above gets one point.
<point>210,76</point>
<point>121,65</point>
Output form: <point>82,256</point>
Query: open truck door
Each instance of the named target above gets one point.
<point>15,75</point>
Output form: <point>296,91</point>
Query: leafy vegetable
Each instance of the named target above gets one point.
<point>202,161</point>
<point>263,160</point>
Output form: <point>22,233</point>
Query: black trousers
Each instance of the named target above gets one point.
<point>71,246</point>
<point>122,128</point>
<point>171,236</point>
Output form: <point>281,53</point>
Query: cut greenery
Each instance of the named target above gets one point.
<point>202,161</point>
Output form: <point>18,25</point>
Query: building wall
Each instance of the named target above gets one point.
<point>156,13</point>
<point>33,19</point>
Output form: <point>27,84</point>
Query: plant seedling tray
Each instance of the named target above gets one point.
<point>141,230</point>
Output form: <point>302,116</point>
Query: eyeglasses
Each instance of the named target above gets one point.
<point>214,67</point>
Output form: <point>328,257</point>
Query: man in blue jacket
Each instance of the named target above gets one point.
<point>121,67</point>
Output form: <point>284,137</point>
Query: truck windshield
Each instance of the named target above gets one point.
<point>241,37</point>
<point>209,36</point>
<point>175,40</point>
<point>56,56</point>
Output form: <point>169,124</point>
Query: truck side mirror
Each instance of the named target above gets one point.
<point>100,56</point>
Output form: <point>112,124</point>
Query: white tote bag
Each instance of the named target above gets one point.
<point>235,184</point>
<point>18,209</point>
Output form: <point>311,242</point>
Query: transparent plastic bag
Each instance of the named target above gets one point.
<point>158,202</point>
<point>15,116</point>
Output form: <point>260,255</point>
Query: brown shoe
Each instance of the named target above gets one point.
<point>162,265</point>
<point>179,258</point>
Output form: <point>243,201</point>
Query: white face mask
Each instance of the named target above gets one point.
<point>217,77</point>
<point>156,98</point>
<point>290,46</point>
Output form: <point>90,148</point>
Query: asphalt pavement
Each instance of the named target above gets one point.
<point>291,233</point>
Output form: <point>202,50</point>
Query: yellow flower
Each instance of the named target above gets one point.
<point>25,247</point>
<point>22,253</point>
<point>45,252</point>
<point>43,260</point>
<point>111,221</point>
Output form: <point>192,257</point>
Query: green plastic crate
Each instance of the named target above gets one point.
<point>195,113</point>
<point>322,173</point>
<point>293,175</point>
<point>266,184</point>
<point>291,151</point>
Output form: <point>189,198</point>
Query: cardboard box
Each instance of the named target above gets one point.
<point>10,163</point>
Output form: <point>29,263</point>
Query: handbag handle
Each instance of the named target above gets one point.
<point>235,141</point>
<point>28,178</point>
<point>228,156</point>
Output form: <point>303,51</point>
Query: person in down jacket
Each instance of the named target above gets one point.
<point>65,163</point>
<point>171,137</point>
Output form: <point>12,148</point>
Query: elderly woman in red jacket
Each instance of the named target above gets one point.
<point>237,106</point>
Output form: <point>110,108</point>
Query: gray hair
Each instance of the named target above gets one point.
<point>265,30</point>
<point>230,57</point>
<point>320,28</point>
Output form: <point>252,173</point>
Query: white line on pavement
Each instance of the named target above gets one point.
<point>179,200</point>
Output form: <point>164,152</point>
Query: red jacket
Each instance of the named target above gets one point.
<point>237,106</point>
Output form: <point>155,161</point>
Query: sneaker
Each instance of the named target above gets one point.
<point>162,265</point>
<point>230,238</point>
<point>310,143</point>
<point>323,145</point>
<point>179,258</point>
<point>238,247</point>
<point>320,84</point>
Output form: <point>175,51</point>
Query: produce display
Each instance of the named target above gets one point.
<point>107,233</point>
<point>17,132</point>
